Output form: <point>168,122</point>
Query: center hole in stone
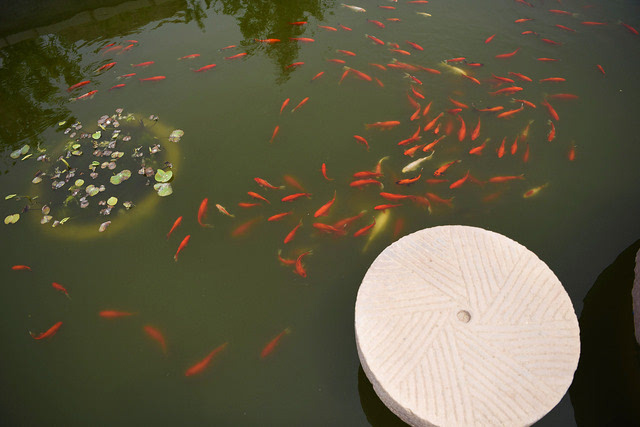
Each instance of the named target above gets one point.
<point>464,316</point>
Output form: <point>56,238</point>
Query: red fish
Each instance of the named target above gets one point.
<point>501,149</point>
<point>563,96</point>
<point>324,209</point>
<point>118,86</point>
<point>292,233</point>
<point>304,101</point>
<point>488,40</point>
<point>328,28</point>
<point>459,59</point>
<point>416,46</point>
<point>292,197</point>
<point>525,156</point>
<point>562,27</point>
<point>630,28</point>
<point>302,39</point>
<point>478,150</point>
<point>175,225</point>
<point>346,52</point>
<point>442,169</point>
<point>295,64</point>
<point>298,23</point>
<point>462,132</point>
<point>243,228</point>
<point>601,69</point>
<point>375,39</point>
<point>202,365</point>
<point>458,103</point>
<point>490,109</point>
<point>514,146</point>
<point>317,75</point>
<point>552,132</point>
<point>285,261</point>
<point>365,230</point>
<point>363,182</point>
<point>143,64</point>
<point>293,182</point>
<point>510,113</point>
<point>228,47</point>
<point>236,56</point>
<point>507,90</point>
<point>593,23</point>
<point>461,181</point>
<point>264,183</point>
<point>508,55</point>
<point>505,178</point>
<point>408,181</point>
<point>270,41</point>
<point>20,267</point>
<point>156,335</point>
<point>112,314</point>
<point>385,207</point>
<point>525,102</point>
<point>48,333</point>
<point>345,28</point>
<point>551,42</point>
<point>520,76</point>
<point>547,59</point>
<point>571,155</point>
<point>193,55</point>
<point>553,79</point>
<point>248,205</point>
<point>153,79</point>
<point>390,124</point>
<point>521,20</point>
<point>271,345</point>
<point>361,140</point>
<point>275,132</point>
<point>125,76</point>
<point>106,67</point>
<point>438,199</point>
<point>344,223</point>
<point>86,95</point>
<point>432,123</point>
<point>376,23</point>
<point>202,213</point>
<point>204,68</point>
<point>59,287</point>
<point>257,196</point>
<point>326,228</point>
<point>551,110</point>
<point>278,217</point>
<point>476,131</point>
<point>77,85</point>
<point>473,79</point>
<point>367,174</point>
<point>324,172</point>
<point>560,12</point>
<point>182,245</point>
<point>395,197</point>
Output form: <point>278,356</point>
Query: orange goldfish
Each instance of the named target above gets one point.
<point>202,365</point>
<point>324,209</point>
<point>271,345</point>
<point>182,245</point>
<point>202,213</point>
<point>156,335</point>
<point>48,333</point>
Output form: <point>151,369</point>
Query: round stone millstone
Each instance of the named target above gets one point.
<point>457,326</point>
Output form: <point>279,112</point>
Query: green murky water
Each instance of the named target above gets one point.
<point>233,289</point>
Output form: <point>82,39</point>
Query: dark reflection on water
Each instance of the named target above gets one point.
<point>606,387</point>
<point>376,411</point>
<point>268,19</point>
<point>29,77</point>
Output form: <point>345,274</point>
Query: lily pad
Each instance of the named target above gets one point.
<point>162,176</point>
<point>92,190</point>
<point>163,189</point>
<point>96,135</point>
<point>118,178</point>
<point>20,152</point>
<point>176,135</point>
<point>12,219</point>
<point>104,226</point>
<point>112,201</point>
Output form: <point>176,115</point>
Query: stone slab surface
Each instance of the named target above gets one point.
<point>460,326</point>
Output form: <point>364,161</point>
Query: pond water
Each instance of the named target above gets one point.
<point>228,285</point>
